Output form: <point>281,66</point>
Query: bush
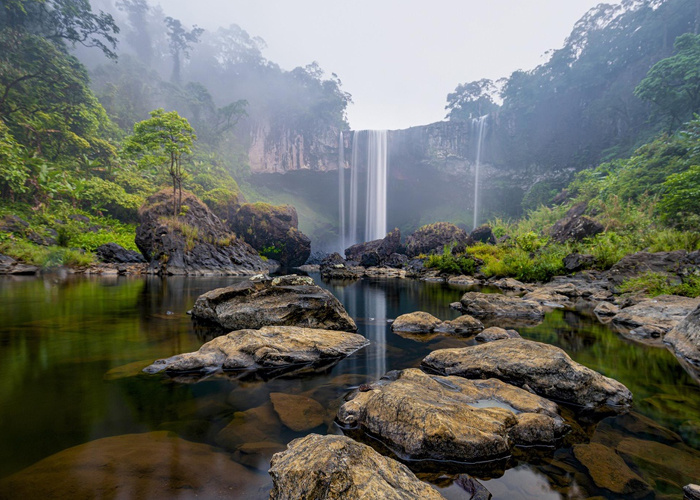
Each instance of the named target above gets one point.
<point>680,204</point>
<point>450,264</point>
<point>101,195</point>
<point>655,284</point>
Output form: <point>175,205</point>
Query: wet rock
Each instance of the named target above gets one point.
<point>288,300</point>
<point>274,231</point>
<point>151,465</point>
<point>609,471</point>
<point>464,325</point>
<point>483,234</point>
<point>665,263</point>
<point>473,488</point>
<point>679,464</point>
<point>685,339</point>
<point>545,369</point>
<point>646,332</point>
<point>336,467</point>
<point>663,312</point>
<point>464,280</point>
<point>423,322</point>
<point>691,492</point>
<point>513,285</point>
<point>255,425</point>
<point>423,416</point>
<point>578,262</point>
<point>299,413</point>
<point>116,254</point>
<point>257,455</point>
<point>195,242</point>
<point>270,348</point>
<point>432,238</point>
<point>495,333</point>
<point>606,309</point>
<point>334,267</point>
<point>377,252</point>
<point>547,298</point>
<point>8,265</point>
<point>491,305</point>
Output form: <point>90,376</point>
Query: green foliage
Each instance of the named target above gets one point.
<point>451,264</point>
<point>680,204</point>
<point>272,251</point>
<point>45,257</point>
<point>13,172</point>
<point>471,100</point>
<point>105,196</point>
<point>541,193</point>
<point>529,242</point>
<point>655,284</point>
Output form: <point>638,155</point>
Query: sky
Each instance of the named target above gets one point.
<point>398,58</point>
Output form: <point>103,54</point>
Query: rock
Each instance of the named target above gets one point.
<point>464,281</point>
<point>577,262</point>
<point>377,252</point>
<point>492,305</point>
<point>14,224</point>
<point>545,369</point>
<point>547,298</point>
<point>432,238</point>
<point>273,231</point>
<point>495,333</point>
<point>464,325</point>
<point>575,226</point>
<point>421,416</point>
<point>8,265</point>
<point>483,234</point>
<point>270,348</point>
<point>415,322</point>
<point>606,309</point>
<point>80,218</point>
<point>665,263</point>
<point>691,492</point>
<point>299,413</point>
<point>116,254</point>
<point>334,267</point>
<point>337,468</point>
<point>679,464</point>
<point>511,284</point>
<point>255,425</point>
<point>684,338</point>
<point>609,471</point>
<point>474,488</point>
<point>257,455</point>
<point>46,241</point>
<point>285,301</point>
<point>151,465</point>
<point>663,312</point>
<point>396,260</point>
<point>647,332</point>
<point>195,242</point>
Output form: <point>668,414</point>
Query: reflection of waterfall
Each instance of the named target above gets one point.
<point>480,124</point>
<point>375,310</point>
<point>372,155</point>
<point>341,189</point>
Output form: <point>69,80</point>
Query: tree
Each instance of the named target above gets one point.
<point>472,100</point>
<point>181,41</point>
<point>673,84</point>
<point>162,141</point>
<point>139,36</point>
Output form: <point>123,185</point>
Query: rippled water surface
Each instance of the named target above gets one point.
<point>71,353</point>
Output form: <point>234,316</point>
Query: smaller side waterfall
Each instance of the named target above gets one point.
<point>480,124</point>
<point>341,190</point>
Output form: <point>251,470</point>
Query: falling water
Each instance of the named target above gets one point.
<point>341,189</point>
<point>369,149</point>
<point>480,123</point>
<point>375,310</point>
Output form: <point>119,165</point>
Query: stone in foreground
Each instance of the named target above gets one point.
<point>421,416</point>
<point>336,467</point>
<point>663,312</point>
<point>545,369</point>
<point>270,348</point>
<point>284,301</point>
<point>685,339</point>
<point>493,305</point>
<point>423,322</point>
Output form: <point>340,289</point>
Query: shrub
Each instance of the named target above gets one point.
<point>655,284</point>
<point>450,264</point>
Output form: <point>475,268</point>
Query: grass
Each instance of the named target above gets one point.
<point>654,284</point>
<point>44,257</point>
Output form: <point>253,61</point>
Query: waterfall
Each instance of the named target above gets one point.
<point>369,150</point>
<point>480,124</point>
<point>341,189</point>
<point>375,312</point>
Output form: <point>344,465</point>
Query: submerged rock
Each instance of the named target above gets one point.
<point>287,300</point>
<point>337,468</point>
<point>663,312</point>
<point>608,470</point>
<point>299,413</point>
<point>685,339</point>
<point>421,416</point>
<point>270,348</point>
<point>151,465</point>
<point>544,369</point>
<point>493,305</point>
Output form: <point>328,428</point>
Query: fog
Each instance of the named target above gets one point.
<point>398,59</point>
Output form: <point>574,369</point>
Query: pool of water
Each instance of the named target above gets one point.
<point>71,351</point>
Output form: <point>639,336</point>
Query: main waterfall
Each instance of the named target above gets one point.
<point>480,125</point>
<point>369,150</point>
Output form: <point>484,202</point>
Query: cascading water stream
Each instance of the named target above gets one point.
<point>480,124</point>
<point>375,226</point>
<point>341,188</point>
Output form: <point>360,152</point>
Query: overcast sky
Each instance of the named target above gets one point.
<point>398,58</point>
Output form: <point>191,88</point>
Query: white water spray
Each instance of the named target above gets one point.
<point>341,189</point>
<point>480,124</point>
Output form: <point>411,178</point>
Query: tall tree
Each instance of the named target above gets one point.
<point>180,41</point>
<point>139,36</point>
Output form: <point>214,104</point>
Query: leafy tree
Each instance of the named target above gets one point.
<point>673,84</point>
<point>472,100</point>
<point>162,141</point>
<point>139,36</point>
<point>180,41</point>
<point>680,204</point>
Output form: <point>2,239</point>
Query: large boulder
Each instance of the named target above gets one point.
<point>432,238</point>
<point>670,264</point>
<point>334,267</point>
<point>377,252</point>
<point>337,468</point>
<point>662,313</point>
<point>423,322</point>
<point>425,416</point>
<point>133,466</point>
<point>273,231</point>
<point>685,339</point>
<point>575,226</point>
<point>262,301</point>
<point>8,265</point>
<point>274,348</point>
<point>483,234</point>
<point>544,369</point>
<point>494,305</point>
<point>116,254</point>
<point>195,242</point>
